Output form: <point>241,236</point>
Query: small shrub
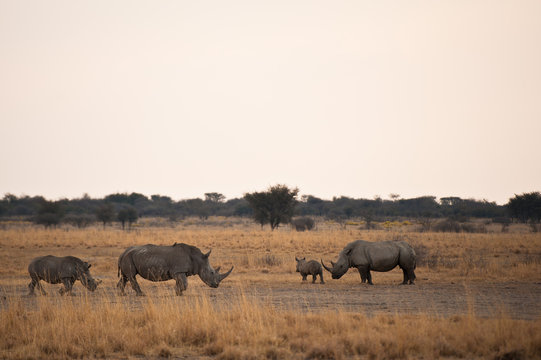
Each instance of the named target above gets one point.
<point>164,353</point>
<point>447,225</point>
<point>450,225</point>
<point>473,228</point>
<point>79,220</point>
<point>269,260</point>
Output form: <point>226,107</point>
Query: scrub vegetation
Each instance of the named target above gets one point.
<point>229,323</point>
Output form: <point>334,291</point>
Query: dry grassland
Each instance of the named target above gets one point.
<point>231,323</point>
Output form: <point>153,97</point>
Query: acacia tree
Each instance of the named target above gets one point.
<point>50,213</point>
<point>213,202</point>
<point>526,207</point>
<point>214,197</point>
<point>129,214</point>
<point>105,213</point>
<point>274,206</point>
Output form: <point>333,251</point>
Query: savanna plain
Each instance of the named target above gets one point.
<point>477,296</point>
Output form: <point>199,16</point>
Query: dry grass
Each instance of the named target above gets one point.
<point>161,325</point>
<point>495,256</point>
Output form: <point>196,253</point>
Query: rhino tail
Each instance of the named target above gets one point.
<point>414,256</point>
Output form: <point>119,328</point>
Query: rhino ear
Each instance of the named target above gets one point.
<point>207,254</point>
<point>296,259</point>
<point>88,265</point>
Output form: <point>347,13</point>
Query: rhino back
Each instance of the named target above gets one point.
<point>378,256</point>
<point>53,269</point>
<point>314,266</point>
<point>355,253</point>
<point>383,256</point>
<point>154,262</point>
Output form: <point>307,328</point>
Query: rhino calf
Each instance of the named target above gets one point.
<point>311,267</point>
<point>56,270</point>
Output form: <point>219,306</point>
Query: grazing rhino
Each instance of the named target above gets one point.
<point>161,263</point>
<point>302,223</point>
<point>311,267</point>
<point>377,256</point>
<point>55,270</point>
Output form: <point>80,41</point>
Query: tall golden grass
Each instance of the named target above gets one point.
<point>166,326</point>
<point>103,325</point>
<point>493,256</point>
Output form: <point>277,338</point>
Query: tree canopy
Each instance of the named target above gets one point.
<point>274,206</point>
<point>80,211</point>
<point>526,207</point>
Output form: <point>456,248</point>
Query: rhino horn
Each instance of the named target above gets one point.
<point>333,264</point>
<point>218,268</point>
<point>224,275</point>
<point>207,254</point>
<point>99,281</point>
<point>325,266</point>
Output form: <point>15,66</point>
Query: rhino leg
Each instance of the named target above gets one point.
<point>365,274</point>
<point>135,286</point>
<point>35,283</point>
<point>304,277</point>
<point>41,289</point>
<point>321,276</point>
<point>68,286</point>
<point>314,276</point>
<point>31,287</point>
<point>369,277</point>
<point>411,276</point>
<point>405,281</point>
<point>122,284</point>
<point>181,283</point>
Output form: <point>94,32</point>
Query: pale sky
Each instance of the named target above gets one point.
<point>353,98</point>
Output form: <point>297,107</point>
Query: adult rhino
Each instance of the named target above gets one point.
<point>377,256</point>
<point>162,263</point>
<point>56,270</point>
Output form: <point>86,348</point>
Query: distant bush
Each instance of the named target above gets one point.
<point>50,213</point>
<point>127,214</point>
<point>447,225</point>
<point>474,228</point>
<point>79,220</point>
<point>450,225</point>
<point>269,260</point>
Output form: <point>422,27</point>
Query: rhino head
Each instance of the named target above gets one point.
<point>300,262</point>
<point>210,276</point>
<point>86,279</point>
<point>338,269</point>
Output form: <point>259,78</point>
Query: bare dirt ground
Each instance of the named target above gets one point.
<point>517,300</point>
